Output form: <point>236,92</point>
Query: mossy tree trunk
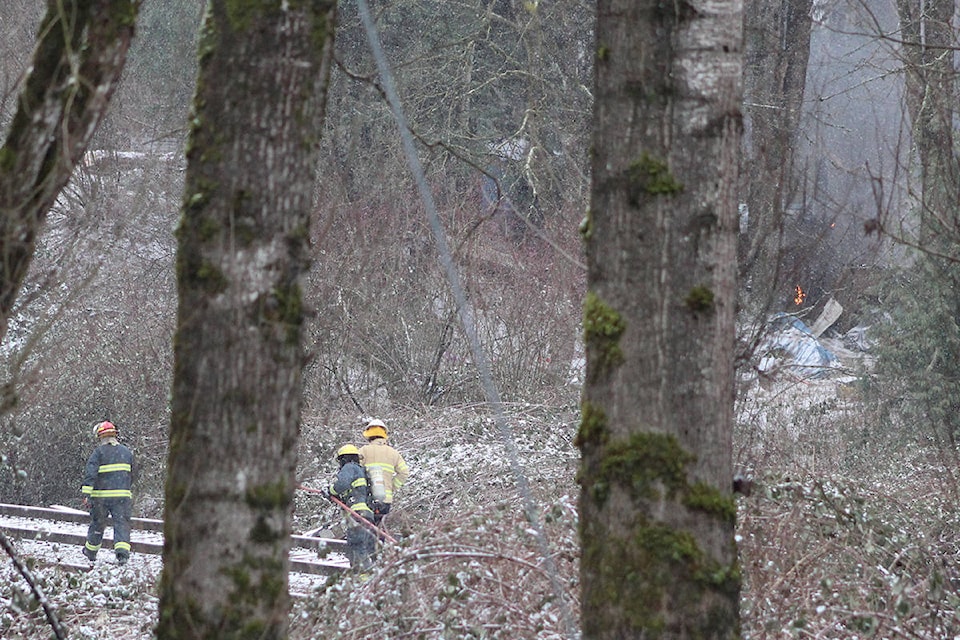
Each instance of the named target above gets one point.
<point>657,510</point>
<point>80,53</point>
<point>242,251</point>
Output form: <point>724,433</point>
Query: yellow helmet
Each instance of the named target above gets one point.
<point>347,450</point>
<point>375,429</point>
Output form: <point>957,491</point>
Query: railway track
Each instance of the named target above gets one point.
<point>65,526</point>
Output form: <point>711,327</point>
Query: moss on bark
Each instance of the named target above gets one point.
<point>652,573</point>
<point>602,330</point>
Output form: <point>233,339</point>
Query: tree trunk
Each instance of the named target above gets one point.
<point>243,244</point>
<point>928,51</point>
<point>777,50</point>
<point>657,510</point>
<point>81,50</point>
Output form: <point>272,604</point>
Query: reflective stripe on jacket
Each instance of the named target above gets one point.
<point>351,487</point>
<point>109,472</point>
<point>378,454</point>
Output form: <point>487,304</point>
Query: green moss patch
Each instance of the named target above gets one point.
<point>648,176</point>
<point>602,329</point>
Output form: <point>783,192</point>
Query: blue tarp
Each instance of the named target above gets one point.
<point>789,336</point>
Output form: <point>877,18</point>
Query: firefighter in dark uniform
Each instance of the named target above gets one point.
<point>106,490</point>
<point>351,488</point>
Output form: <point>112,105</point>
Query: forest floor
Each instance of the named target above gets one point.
<point>850,531</point>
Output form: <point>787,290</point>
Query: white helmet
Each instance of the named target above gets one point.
<point>375,429</point>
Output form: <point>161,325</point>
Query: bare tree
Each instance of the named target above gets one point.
<point>777,48</point>
<point>917,371</point>
<point>238,357</point>
<point>497,87</point>
<point>657,511</point>
<point>928,58</point>
<point>80,53</point>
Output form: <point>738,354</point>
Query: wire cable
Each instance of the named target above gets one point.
<point>464,309</point>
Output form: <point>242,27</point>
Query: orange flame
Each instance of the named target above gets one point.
<point>799,295</point>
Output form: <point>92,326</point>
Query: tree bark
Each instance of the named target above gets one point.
<point>657,510</point>
<point>242,250</point>
<point>776,53</point>
<point>928,51</point>
<point>80,53</point>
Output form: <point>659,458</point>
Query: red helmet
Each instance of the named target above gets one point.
<point>106,429</point>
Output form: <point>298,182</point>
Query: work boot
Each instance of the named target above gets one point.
<point>90,555</point>
<point>122,558</point>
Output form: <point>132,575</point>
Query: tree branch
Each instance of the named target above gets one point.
<point>76,67</point>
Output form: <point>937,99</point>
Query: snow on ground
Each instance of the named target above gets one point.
<point>111,601</point>
<point>108,601</point>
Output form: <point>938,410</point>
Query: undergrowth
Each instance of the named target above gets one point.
<point>850,531</point>
<point>477,575</point>
<point>851,527</point>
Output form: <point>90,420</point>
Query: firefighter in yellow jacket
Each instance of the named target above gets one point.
<point>385,468</point>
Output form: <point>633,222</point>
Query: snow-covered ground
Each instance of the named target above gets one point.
<point>468,552</point>
<point>105,600</point>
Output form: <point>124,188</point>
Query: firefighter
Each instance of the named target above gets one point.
<point>385,467</point>
<point>106,491</point>
<point>350,487</point>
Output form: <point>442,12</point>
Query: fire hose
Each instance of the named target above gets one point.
<point>381,534</point>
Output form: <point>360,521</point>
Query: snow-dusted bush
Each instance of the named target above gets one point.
<point>475,575</point>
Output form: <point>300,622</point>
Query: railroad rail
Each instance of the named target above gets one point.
<point>68,526</point>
